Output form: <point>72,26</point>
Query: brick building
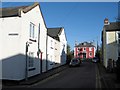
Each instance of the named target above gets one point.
<point>84,50</point>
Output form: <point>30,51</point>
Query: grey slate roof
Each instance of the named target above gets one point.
<point>113,26</point>
<point>54,32</point>
<point>15,11</point>
<point>85,44</point>
<point>11,11</point>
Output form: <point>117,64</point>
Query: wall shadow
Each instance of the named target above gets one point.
<point>63,56</point>
<point>110,55</point>
<point>15,67</point>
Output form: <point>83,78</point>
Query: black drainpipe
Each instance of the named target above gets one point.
<point>39,51</point>
<point>26,71</point>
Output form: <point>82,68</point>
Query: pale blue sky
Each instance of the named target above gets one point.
<point>83,21</point>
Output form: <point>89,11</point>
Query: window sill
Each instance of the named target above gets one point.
<point>31,69</point>
<point>51,47</point>
<point>33,40</point>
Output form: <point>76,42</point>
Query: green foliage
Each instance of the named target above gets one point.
<point>99,52</point>
<point>70,54</point>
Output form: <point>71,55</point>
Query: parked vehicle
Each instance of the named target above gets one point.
<point>95,60</point>
<point>75,62</point>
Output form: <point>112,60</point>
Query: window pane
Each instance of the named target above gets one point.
<point>32,31</point>
<point>119,41</point>
<point>118,35</point>
<point>31,59</point>
<point>90,54</point>
<point>84,48</point>
<point>118,53</point>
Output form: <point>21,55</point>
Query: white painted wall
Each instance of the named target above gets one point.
<point>10,26</point>
<point>50,52</point>
<point>13,53</point>
<point>57,51</point>
<point>1,49</point>
<point>36,18</point>
<point>94,51</point>
<point>63,47</point>
<point>12,48</point>
<point>111,47</point>
<point>12,64</point>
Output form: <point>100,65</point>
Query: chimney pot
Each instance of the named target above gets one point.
<point>106,21</point>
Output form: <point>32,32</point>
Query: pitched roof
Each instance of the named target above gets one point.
<point>54,32</point>
<point>16,11</point>
<point>113,26</point>
<point>85,44</point>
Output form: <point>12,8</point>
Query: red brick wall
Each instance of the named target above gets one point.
<point>87,52</point>
<point>76,52</point>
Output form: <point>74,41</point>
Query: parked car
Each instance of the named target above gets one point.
<point>75,62</point>
<point>95,60</point>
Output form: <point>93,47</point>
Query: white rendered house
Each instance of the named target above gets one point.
<point>110,42</point>
<point>63,46</point>
<point>60,44</point>
<point>23,36</point>
<point>50,53</point>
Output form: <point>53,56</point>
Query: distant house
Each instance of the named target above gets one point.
<point>23,35</point>
<point>110,41</point>
<point>53,49</point>
<point>57,45</point>
<point>84,50</point>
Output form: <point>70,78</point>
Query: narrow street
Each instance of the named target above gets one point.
<point>40,40</point>
<point>85,76</point>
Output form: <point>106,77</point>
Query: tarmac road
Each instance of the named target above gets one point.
<point>88,75</point>
<point>85,76</point>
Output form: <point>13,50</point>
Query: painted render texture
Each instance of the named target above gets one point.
<point>15,35</point>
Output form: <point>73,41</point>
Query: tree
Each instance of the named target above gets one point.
<point>70,53</point>
<point>68,49</point>
<point>99,52</point>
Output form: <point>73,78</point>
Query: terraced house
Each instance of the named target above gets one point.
<point>57,42</point>
<point>24,42</point>
<point>110,42</point>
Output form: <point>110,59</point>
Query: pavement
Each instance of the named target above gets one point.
<point>108,79</point>
<point>35,78</point>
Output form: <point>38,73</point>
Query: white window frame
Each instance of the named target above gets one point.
<point>90,48</point>
<point>32,31</point>
<point>90,54</point>
<point>118,38</point>
<point>118,42</point>
<point>31,60</point>
<point>51,44</point>
<point>84,49</point>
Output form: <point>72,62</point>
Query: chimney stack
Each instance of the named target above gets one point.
<point>106,21</point>
<point>76,43</point>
